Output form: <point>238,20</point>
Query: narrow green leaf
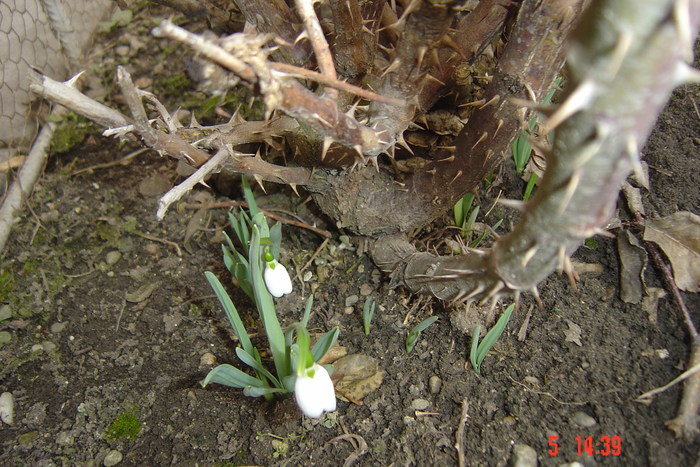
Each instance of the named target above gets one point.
<point>483,235</point>
<point>228,240</point>
<point>239,229</point>
<point>324,344</point>
<point>256,364</point>
<point>367,313</point>
<point>231,312</point>
<point>521,151</point>
<point>532,181</point>
<point>458,213</point>
<point>415,332</point>
<point>307,311</point>
<point>475,345</point>
<point>249,197</point>
<point>229,375</point>
<point>264,300</point>
<point>469,224</point>
<point>247,225</point>
<point>492,336</point>
<point>257,391</point>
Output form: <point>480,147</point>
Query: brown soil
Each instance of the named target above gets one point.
<point>83,361</point>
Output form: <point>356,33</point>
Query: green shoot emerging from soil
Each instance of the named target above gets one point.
<point>368,313</point>
<point>465,219</point>
<point>260,275</point>
<point>480,350</point>
<point>414,334</point>
<point>522,149</point>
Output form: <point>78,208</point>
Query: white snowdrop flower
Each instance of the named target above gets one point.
<point>277,279</point>
<point>314,391</point>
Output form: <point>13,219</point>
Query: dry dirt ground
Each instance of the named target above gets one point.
<point>109,325</point>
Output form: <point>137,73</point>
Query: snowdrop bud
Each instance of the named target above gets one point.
<point>277,279</point>
<point>315,394</point>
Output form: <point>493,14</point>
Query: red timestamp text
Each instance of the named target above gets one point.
<point>590,445</point>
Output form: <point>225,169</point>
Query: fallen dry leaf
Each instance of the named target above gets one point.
<point>678,235</point>
<point>650,303</point>
<point>633,259</point>
<point>356,375</point>
<point>573,334</point>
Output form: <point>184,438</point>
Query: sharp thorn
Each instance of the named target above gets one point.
<point>571,187</point>
<point>632,150</point>
<point>473,104</point>
<point>498,127</point>
<point>512,203</point>
<point>402,142</point>
<point>294,187</point>
<point>536,293</point>
<point>327,141</point>
<point>259,181</point>
<point>579,99</point>
<point>529,254</point>
<point>73,82</point>
<point>302,36</point>
<point>391,68</point>
<point>624,41</point>
<point>483,136</point>
<point>493,100</point>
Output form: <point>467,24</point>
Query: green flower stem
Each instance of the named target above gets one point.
<point>265,302</point>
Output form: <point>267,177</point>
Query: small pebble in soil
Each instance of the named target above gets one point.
<point>45,346</point>
<point>26,439</point>
<point>113,257</point>
<point>113,457</point>
<point>5,337</point>
<point>57,328</point>
<point>351,300</point>
<point>207,360</point>
<point>366,289</point>
<point>531,380</point>
<point>122,50</point>
<point>508,420</point>
<point>64,438</point>
<point>524,456</point>
<point>7,408</point>
<point>420,404</point>
<point>435,384</point>
<point>584,420</point>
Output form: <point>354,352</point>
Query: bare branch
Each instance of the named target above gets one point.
<point>212,165</point>
<point>318,41</point>
<point>69,97</point>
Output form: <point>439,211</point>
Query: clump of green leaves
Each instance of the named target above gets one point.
<point>290,347</point>
<point>480,350</point>
<point>522,149</point>
<point>465,218</point>
<point>464,215</point>
<point>414,333</point>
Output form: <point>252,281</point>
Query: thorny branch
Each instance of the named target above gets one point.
<point>246,57</point>
<point>167,143</point>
